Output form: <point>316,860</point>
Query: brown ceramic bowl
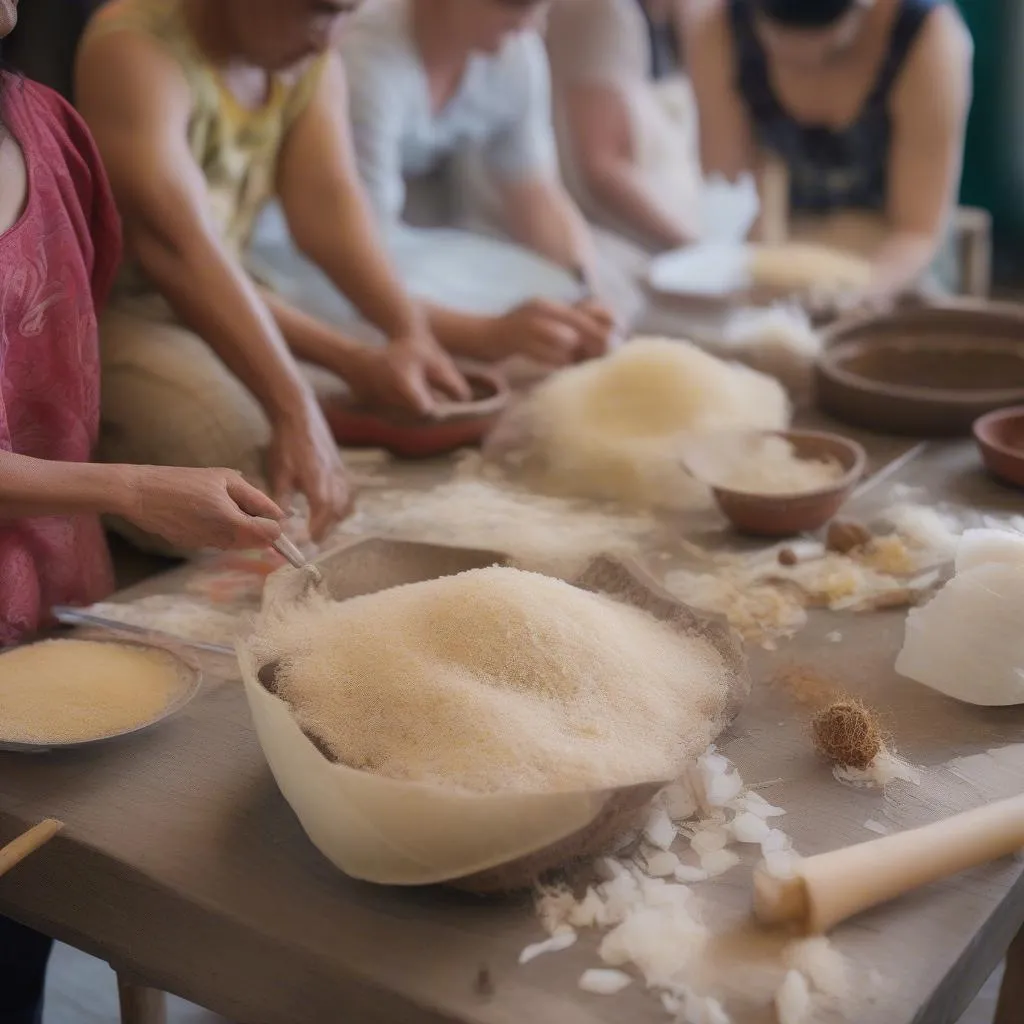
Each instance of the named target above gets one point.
<point>925,372</point>
<point>451,426</point>
<point>786,515</point>
<point>1000,437</point>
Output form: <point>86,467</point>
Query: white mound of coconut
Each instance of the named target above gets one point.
<point>611,428</point>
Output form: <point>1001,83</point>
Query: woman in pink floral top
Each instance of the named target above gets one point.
<point>59,249</point>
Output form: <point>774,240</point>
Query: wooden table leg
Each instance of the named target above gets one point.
<point>140,1005</point>
<point>1010,1008</point>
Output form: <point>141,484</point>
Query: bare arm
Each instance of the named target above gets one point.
<point>930,107</point>
<point>599,121</point>
<point>137,104</point>
<point>726,138</point>
<point>328,214</point>
<point>38,487</point>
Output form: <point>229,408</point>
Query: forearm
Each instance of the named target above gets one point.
<point>38,487</point>
<point>310,339</point>
<point>342,241</point>
<point>542,217</point>
<point>623,190</point>
<point>222,305</point>
<point>899,264</point>
<point>462,334</point>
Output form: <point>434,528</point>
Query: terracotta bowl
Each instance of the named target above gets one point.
<point>924,372</point>
<point>1000,437</point>
<point>786,515</point>
<point>451,426</point>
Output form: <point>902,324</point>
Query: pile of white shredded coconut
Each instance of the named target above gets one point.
<point>650,917</point>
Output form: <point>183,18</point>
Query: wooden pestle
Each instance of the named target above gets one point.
<point>829,888</point>
<point>28,842</point>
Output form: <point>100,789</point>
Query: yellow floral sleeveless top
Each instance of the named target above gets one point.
<point>236,148</point>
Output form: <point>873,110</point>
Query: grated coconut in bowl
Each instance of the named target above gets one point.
<point>496,680</point>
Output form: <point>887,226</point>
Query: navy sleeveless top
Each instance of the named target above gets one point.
<point>829,169</point>
<point>665,57</point>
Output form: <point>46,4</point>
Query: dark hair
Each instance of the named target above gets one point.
<point>804,13</point>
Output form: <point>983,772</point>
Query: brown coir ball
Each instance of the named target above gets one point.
<point>848,733</point>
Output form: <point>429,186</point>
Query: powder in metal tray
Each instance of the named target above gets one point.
<point>72,691</point>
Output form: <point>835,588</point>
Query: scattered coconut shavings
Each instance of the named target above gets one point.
<point>663,864</point>
<point>659,830</point>
<point>886,768</point>
<point>793,999</point>
<point>718,862</point>
<point>781,864</point>
<point>546,534</point>
<point>604,982</point>
<point>822,965</point>
<point>556,944</point>
<point>876,826</point>
<point>749,828</point>
<point>185,617</point>
<point>835,637</point>
<point>650,917</point>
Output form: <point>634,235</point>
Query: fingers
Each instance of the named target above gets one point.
<point>252,500</point>
<point>550,342</point>
<point>411,383</point>
<point>333,502</point>
<point>443,374</point>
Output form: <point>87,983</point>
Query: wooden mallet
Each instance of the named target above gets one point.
<point>829,888</point>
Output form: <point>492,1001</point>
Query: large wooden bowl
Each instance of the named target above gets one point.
<point>926,372</point>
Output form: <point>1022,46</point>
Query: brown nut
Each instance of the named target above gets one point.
<point>844,536</point>
<point>787,556</point>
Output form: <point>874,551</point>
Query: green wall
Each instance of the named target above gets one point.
<point>994,158</point>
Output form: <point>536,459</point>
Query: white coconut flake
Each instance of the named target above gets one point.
<point>822,965</point>
<point>554,907</point>
<point>708,840</point>
<point>719,781</point>
<point>687,874</point>
<point>756,804</point>
<point>885,769</point>
<point>556,944</point>
<point>604,982</point>
<point>876,826</point>
<point>659,830</point>
<point>781,864</point>
<point>749,828</point>
<point>679,801</point>
<point>793,999</point>
<point>660,941</point>
<point>775,842</point>
<point>718,862</point>
<point>588,912</point>
<point>662,864</point>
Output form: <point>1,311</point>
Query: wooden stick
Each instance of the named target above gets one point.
<point>831,887</point>
<point>27,843</point>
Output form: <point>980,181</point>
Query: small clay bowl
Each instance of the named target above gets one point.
<point>786,515</point>
<point>1000,438</point>
<point>452,425</point>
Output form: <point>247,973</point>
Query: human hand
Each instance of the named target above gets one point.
<point>551,333</point>
<point>199,508</point>
<point>406,373</point>
<point>303,457</point>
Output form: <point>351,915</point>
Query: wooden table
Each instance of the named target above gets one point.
<point>181,864</point>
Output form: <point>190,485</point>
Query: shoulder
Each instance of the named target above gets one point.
<point>524,58</point>
<point>377,34</point>
<point>939,62</point>
<point>708,21</point>
<point>45,118</point>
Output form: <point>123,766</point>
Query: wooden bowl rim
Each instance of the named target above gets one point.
<point>982,430</point>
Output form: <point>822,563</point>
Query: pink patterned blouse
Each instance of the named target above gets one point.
<point>57,264</point>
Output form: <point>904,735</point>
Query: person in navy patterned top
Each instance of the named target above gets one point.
<point>864,102</point>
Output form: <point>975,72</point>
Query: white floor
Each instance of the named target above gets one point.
<point>81,990</point>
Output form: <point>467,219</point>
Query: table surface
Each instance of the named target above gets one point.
<point>182,864</point>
